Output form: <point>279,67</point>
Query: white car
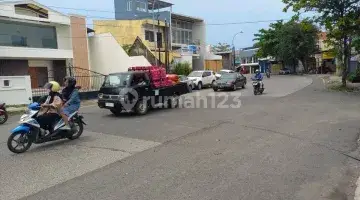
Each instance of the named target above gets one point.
<point>202,78</point>
<point>223,71</point>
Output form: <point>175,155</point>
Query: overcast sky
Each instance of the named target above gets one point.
<point>212,11</point>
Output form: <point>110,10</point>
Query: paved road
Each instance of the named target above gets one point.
<point>282,145</point>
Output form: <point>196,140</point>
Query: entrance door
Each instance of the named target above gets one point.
<point>33,76</point>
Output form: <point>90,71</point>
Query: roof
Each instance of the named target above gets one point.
<point>185,17</point>
<point>247,53</point>
<point>223,52</point>
<point>158,4</point>
<point>30,2</point>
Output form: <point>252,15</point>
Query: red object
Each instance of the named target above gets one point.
<point>157,75</point>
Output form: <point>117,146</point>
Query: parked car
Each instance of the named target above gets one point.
<point>223,71</point>
<point>202,78</point>
<point>230,81</point>
<point>185,79</point>
<point>284,71</point>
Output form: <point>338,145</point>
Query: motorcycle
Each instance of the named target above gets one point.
<point>268,73</point>
<point>29,130</point>
<point>3,113</point>
<point>257,87</point>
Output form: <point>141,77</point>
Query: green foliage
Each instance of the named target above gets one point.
<point>288,42</point>
<point>182,68</point>
<point>126,47</point>
<point>354,75</point>
<point>339,17</point>
<point>356,43</point>
<point>221,47</point>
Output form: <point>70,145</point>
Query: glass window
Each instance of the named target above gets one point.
<point>140,6</point>
<point>182,37</point>
<point>173,36</point>
<point>149,36</point>
<point>129,5</point>
<point>178,36</point>
<point>27,35</point>
<point>186,37</point>
<point>117,80</point>
<point>190,37</point>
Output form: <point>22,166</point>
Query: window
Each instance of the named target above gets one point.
<point>178,36</point>
<point>207,74</point>
<point>6,83</point>
<point>129,5</point>
<point>27,35</point>
<point>149,36</point>
<point>182,37</point>
<point>174,36</point>
<point>141,6</point>
<point>18,41</point>
<point>186,37</point>
<point>190,37</point>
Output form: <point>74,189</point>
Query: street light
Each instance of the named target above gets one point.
<point>234,47</point>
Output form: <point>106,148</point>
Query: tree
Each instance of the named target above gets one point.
<point>288,42</point>
<point>127,47</point>
<point>221,47</point>
<point>339,17</point>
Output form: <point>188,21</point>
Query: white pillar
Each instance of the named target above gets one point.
<point>50,69</point>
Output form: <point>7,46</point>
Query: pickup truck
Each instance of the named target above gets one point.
<point>133,92</point>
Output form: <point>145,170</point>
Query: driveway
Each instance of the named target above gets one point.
<point>294,144</point>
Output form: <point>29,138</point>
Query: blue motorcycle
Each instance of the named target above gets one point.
<point>29,131</point>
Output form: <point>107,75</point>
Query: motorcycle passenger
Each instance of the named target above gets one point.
<point>49,111</point>
<point>258,77</point>
<point>71,98</point>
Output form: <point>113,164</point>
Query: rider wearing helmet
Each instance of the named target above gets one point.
<point>48,113</point>
<point>71,97</point>
<point>259,77</point>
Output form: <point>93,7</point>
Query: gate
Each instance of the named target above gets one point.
<point>89,81</point>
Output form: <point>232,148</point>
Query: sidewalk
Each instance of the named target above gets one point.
<point>333,82</point>
<point>13,110</point>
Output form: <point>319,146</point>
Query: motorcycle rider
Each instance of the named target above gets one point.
<point>71,97</point>
<point>258,77</point>
<point>49,111</point>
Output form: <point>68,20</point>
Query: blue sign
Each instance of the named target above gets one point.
<point>193,49</point>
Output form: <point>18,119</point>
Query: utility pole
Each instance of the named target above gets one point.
<point>154,31</point>
<point>159,42</point>
<point>166,32</point>
<point>234,47</point>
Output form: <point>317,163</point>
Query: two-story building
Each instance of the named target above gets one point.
<point>155,23</point>
<point>40,42</point>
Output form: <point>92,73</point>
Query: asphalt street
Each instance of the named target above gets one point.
<point>297,141</point>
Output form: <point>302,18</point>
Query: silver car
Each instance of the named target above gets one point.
<point>185,79</point>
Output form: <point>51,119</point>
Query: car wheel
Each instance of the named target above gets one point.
<point>215,89</point>
<point>243,86</point>
<point>234,88</point>
<point>199,86</point>
<point>212,83</point>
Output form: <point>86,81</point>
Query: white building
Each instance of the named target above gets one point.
<point>34,40</point>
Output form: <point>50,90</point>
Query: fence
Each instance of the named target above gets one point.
<point>88,80</point>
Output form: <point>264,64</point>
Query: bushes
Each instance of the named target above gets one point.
<point>354,77</point>
<point>182,68</point>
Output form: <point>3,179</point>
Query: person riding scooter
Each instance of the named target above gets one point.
<point>258,77</point>
<point>72,101</point>
<point>49,112</point>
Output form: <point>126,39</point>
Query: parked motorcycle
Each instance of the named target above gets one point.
<point>257,88</point>
<point>3,113</point>
<point>29,130</point>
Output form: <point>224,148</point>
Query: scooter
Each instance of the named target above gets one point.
<point>257,87</point>
<point>3,113</point>
<point>29,130</point>
<point>268,73</point>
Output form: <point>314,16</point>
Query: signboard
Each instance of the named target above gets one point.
<point>328,55</point>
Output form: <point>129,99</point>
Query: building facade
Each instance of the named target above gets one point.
<point>40,42</point>
<point>155,24</point>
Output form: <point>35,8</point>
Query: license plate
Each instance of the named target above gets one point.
<point>109,104</point>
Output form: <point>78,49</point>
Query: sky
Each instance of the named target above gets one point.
<point>212,11</point>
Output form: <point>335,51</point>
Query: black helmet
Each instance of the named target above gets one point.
<point>71,81</point>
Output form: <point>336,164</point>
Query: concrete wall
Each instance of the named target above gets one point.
<point>138,61</point>
<point>64,39</point>
<point>29,53</point>
<point>8,10</point>
<point>18,91</point>
<point>199,33</point>
<point>80,42</point>
<point>106,55</point>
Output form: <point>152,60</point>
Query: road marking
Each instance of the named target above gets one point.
<point>47,165</point>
